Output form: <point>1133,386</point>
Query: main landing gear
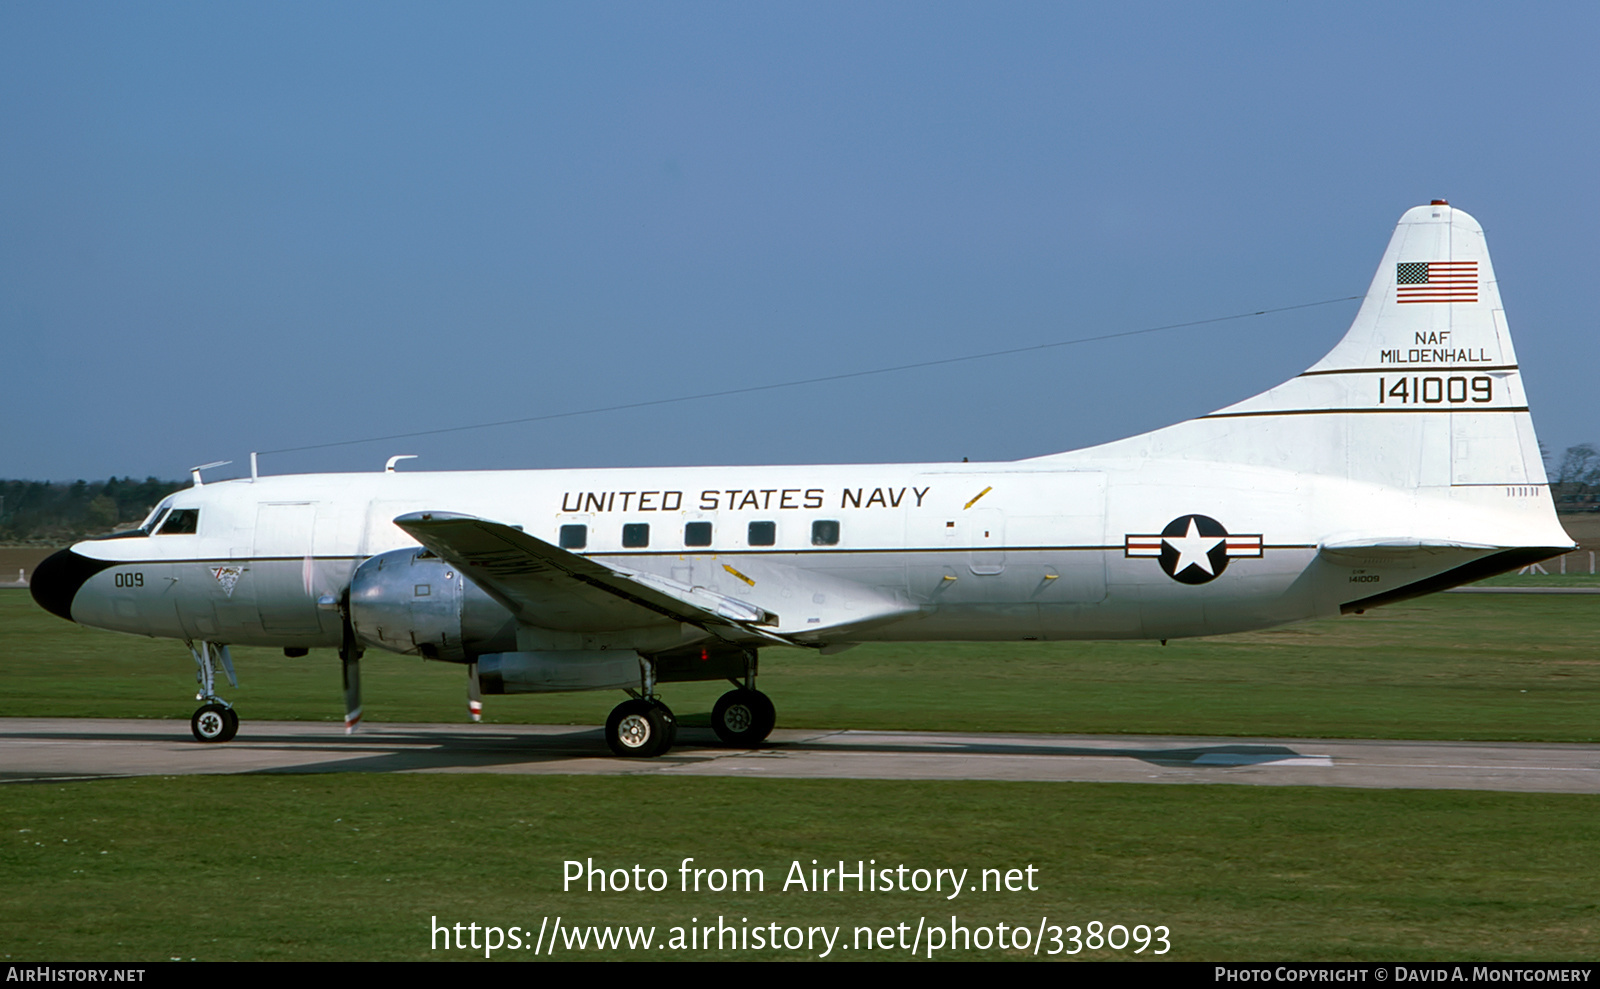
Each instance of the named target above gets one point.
<point>216,720</point>
<point>643,727</point>
<point>744,716</point>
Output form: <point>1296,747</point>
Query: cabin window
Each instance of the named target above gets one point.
<point>181,522</point>
<point>697,534</point>
<point>763,534</point>
<point>824,533</point>
<point>574,536</point>
<point>636,535</point>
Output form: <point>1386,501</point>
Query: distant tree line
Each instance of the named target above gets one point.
<point>57,512</point>
<point>1575,479</point>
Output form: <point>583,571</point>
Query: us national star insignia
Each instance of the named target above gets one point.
<point>1193,549</point>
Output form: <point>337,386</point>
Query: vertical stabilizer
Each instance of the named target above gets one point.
<point>1422,391</point>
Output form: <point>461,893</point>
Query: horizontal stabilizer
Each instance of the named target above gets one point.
<point>1397,548</point>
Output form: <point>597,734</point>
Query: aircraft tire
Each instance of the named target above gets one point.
<point>743,718</point>
<point>640,729</point>
<point>672,725</point>
<point>233,725</point>
<point>211,723</point>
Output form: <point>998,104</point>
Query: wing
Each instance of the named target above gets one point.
<point>549,587</point>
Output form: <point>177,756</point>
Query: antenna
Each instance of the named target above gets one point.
<point>194,472</point>
<point>388,468</point>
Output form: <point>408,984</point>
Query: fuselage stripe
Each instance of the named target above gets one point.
<point>602,554</point>
<point>1433,368</point>
<point>1340,412</point>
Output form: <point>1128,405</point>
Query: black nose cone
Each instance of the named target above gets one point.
<point>56,581</point>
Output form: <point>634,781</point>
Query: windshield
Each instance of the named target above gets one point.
<point>149,524</point>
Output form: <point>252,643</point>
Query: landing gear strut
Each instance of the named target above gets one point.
<point>744,716</point>
<point>216,720</point>
<point>642,727</point>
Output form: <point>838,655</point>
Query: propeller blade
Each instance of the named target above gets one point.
<point>350,666</point>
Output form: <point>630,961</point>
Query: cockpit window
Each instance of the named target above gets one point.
<point>181,522</point>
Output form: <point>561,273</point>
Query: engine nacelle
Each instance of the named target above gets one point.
<point>410,601</point>
<point>553,672</point>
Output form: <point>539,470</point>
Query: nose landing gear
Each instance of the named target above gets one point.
<point>216,720</point>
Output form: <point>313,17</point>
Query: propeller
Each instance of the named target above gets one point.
<point>350,667</point>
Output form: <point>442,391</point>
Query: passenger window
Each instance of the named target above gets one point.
<point>636,535</point>
<point>181,522</point>
<point>824,533</point>
<point>574,536</point>
<point>697,534</point>
<point>763,533</point>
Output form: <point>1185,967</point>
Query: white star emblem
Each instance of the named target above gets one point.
<point>1193,549</point>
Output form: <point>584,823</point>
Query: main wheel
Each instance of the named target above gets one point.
<point>672,725</point>
<point>214,723</point>
<point>639,729</point>
<point>743,717</point>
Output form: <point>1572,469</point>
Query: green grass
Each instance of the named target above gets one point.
<point>353,867</point>
<point>1453,666</point>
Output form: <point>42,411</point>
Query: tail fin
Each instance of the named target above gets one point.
<point>1423,391</point>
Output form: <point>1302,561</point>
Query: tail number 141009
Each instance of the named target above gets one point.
<point>1418,390</point>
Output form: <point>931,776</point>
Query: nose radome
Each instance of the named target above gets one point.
<point>56,581</point>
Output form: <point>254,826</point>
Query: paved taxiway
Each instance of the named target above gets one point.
<point>61,748</point>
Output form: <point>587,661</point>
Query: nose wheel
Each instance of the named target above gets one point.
<point>214,723</point>
<point>743,717</point>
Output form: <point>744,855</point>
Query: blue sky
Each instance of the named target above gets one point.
<point>236,227</point>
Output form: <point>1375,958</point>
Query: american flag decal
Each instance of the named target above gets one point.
<point>1436,281</point>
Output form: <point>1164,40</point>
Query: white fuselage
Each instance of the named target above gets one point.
<point>1014,551</point>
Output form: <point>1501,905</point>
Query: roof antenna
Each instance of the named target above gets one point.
<point>388,468</point>
<point>253,473</point>
<point>194,472</point>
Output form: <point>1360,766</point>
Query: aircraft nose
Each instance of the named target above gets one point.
<point>56,581</point>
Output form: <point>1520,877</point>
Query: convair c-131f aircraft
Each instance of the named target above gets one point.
<point>1402,463</point>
